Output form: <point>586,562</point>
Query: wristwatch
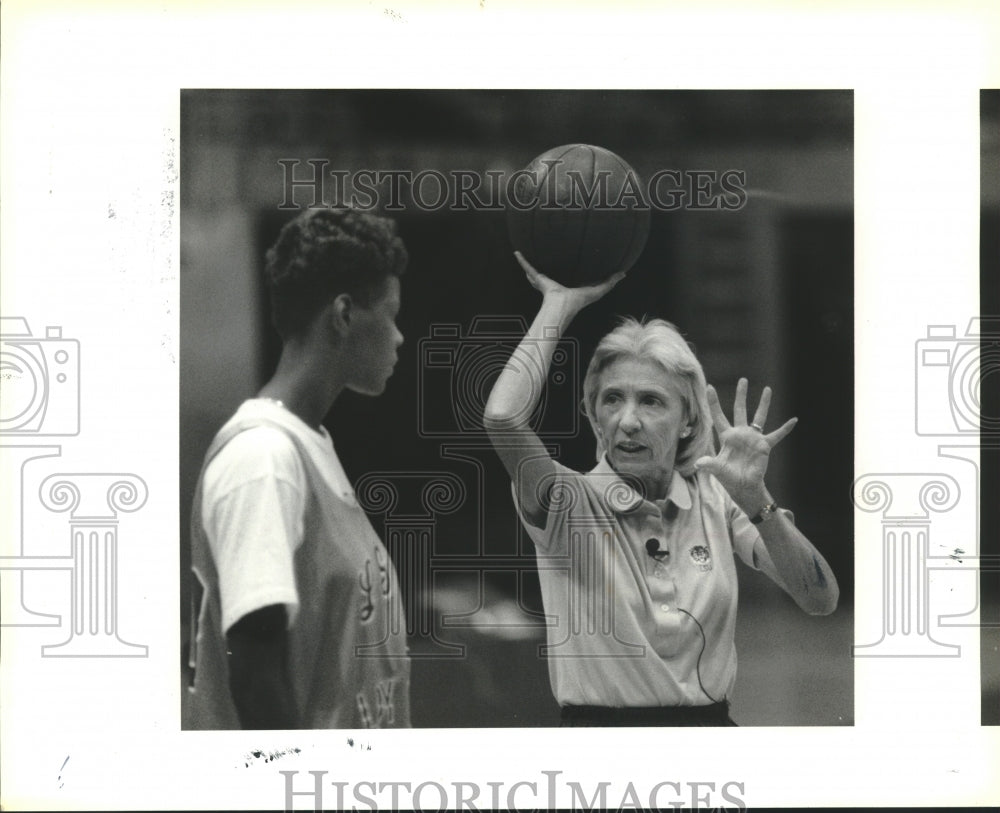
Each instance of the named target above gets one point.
<point>765,513</point>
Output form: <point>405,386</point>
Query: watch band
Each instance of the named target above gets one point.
<point>765,513</point>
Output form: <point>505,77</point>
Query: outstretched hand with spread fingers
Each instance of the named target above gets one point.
<point>744,448</point>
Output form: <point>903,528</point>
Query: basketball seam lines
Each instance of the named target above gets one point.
<point>631,237</point>
<point>538,197</point>
<point>586,218</point>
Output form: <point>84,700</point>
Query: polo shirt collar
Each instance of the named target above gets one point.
<point>622,498</point>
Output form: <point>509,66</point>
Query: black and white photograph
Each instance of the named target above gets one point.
<point>469,405</point>
<point>730,215</point>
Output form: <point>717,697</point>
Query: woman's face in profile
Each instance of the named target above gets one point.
<point>640,415</point>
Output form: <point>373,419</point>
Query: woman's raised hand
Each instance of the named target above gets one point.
<point>744,450</point>
<point>577,298</point>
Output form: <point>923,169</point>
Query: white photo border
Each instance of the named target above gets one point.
<point>90,224</point>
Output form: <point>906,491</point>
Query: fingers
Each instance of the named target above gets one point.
<point>542,282</point>
<point>538,280</point>
<point>534,276</point>
<point>760,416</point>
<point>528,267</point>
<point>718,416</point>
<point>740,412</point>
<point>781,432</point>
<point>740,403</point>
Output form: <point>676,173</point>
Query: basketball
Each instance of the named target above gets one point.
<point>578,214</point>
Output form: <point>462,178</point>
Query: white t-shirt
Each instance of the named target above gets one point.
<point>253,507</point>
<point>275,521</point>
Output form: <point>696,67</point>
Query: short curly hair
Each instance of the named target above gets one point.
<point>323,253</point>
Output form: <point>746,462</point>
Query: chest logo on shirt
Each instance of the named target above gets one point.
<point>701,556</point>
<point>372,583</point>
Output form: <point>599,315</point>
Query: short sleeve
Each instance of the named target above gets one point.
<point>252,512</point>
<point>566,489</point>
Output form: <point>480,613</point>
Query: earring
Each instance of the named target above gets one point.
<point>685,431</point>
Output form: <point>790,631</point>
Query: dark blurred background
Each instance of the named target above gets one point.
<point>989,305</point>
<point>766,292</point>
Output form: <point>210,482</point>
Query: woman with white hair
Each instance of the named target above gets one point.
<point>636,557</point>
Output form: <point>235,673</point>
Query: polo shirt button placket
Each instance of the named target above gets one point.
<point>656,551</point>
<point>665,545</point>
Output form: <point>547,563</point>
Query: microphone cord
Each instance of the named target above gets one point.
<point>652,548</point>
<point>704,643</point>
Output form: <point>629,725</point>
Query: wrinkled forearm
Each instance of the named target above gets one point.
<point>803,571</point>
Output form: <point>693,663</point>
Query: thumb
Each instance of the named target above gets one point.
<point>706,463</point>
